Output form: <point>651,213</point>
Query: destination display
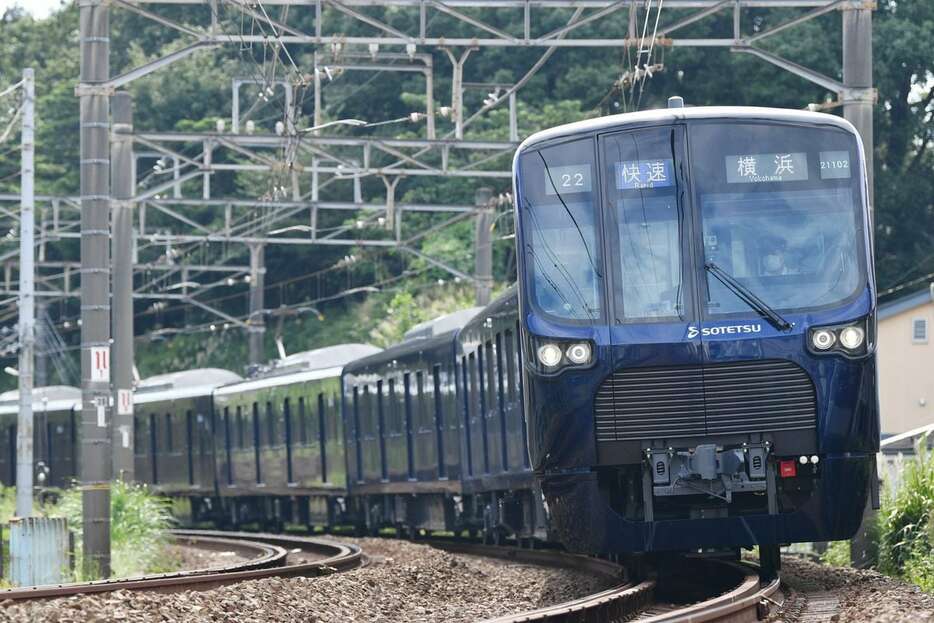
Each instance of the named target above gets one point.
<point>834,165</point>
<point>754,168</point>
<point>635,174</point>
<point>571,179</point>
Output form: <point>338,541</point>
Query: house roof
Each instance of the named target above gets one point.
<point>909,301</point>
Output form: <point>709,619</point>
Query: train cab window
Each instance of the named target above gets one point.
<point>410,418</point>
<point>169,445</point>
<point>643,182</point>
<point>381,424</point>
<point>556,198</point>
<point>322,437</point>
<point>781,213</point>
<point>153,446</point>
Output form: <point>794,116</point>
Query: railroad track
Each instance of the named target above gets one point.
<point>748,600</point>
<point>268,558</point>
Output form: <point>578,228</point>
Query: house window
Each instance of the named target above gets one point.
<point>919,331</point>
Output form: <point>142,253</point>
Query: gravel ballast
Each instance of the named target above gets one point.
<point>864,596</point>
<point>402,582</point>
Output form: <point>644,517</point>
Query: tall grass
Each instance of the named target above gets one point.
<point>139,522</point>
<point>906,523</point>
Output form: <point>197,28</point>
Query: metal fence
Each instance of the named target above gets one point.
<point>40,551</point>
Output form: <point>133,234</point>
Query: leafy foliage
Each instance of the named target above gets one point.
<point>906,523</point>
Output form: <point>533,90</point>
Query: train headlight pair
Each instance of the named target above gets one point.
<point>551,355</point>
<point>849,339</point>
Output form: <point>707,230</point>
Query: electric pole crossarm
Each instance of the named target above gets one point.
<point>808,74</point>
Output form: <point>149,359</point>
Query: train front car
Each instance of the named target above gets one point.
<point>697,301</point>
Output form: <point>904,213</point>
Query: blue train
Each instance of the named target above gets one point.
<point>687,361</point>
<point>697,305</point>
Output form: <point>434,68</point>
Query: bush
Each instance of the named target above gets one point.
<point>139,522</point>
<point>837,554</point>
<point>906,523</point>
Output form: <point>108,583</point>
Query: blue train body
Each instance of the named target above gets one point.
<point>715,401</point>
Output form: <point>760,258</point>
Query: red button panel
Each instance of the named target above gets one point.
<point>787,469</point>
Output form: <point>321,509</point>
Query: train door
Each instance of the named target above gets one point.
<point>655,389</point>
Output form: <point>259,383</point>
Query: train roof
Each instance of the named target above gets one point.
<point>442,324</point>
<point>310,365</point>
<point>671,115</point>
<point>184,384</point>
<point>403,350</point>
<point>49,398</point>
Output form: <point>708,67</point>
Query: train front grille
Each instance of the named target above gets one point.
<point>635,404</point>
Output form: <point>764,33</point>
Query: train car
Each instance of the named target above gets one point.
<point>498,484</point>
<point>697,305</point>
<point>403,433</point>
<point>56,434</point>
<point>174,432</point>
<point>280,440</point>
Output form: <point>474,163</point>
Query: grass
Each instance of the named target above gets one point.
<point>139,522</point>
<point>906,523</point>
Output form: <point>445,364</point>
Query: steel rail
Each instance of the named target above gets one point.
<point>270,560</point>
<point>614,604</point>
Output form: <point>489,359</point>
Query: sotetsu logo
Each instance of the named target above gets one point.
<point>732,329</point>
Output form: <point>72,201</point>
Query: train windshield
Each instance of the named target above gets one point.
<point>558,213</point>
<point>779,212</point>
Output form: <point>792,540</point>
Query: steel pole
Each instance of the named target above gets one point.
<point>256,325</point>
<point>859,96</point>
<point>27,312</point>
<point>483,246</point>
<point>122,179</point>
<point>94,38</point>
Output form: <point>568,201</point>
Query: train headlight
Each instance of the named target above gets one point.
<point>852,338</point>
<point>823,339</point>
<point>549,355</point>
<point>579,353</point>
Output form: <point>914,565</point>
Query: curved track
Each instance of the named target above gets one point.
<point>268,553</point>
<point>748,600</point>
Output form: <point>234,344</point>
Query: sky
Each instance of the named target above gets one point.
<point>37,8</point>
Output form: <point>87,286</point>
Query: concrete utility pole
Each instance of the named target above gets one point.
<point>122,179</point>
<point>94,37</point>
<point>256,324</point>
<point>858,96</point>
<point>483,245</point>
<point>27,311</point>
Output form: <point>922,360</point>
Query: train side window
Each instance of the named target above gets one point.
<point>322,438</point>
<point>241,434</point>
<point>302,422</point>
<point>189,443</point>
<point>465,387</point>
<point>491,374</point>
<point>227,443</point>
<point>381,423</point>
<point>153,445</point>
<point>510,357</point>
<point>439,418</point>
<point>169,445</point>
<point>481,379</point>
<point>287,419</point>
<point>356,429</point>
<point>270,424</point>
<point>256,455</point>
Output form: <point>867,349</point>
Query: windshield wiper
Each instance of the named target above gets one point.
<point>748,297</point>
